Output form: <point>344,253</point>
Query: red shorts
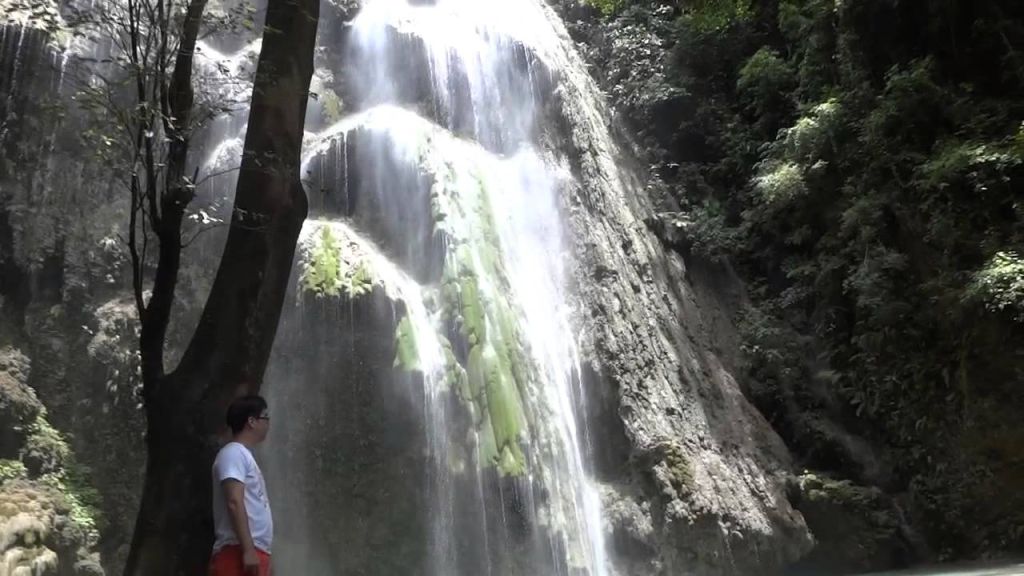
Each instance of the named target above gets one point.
<point>228,562</point>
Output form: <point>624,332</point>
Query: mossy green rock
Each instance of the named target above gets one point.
<point>473,302</point>
<point>332,264</point>
<point>322,268</point>
<point>407,356</point>
<point>45,451</point>
<point>856,527</point>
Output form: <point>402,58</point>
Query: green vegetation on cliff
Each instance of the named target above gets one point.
<point>331,268</point>
<point>490,373</point>
<point>862,164</point>
<point>48,506</point>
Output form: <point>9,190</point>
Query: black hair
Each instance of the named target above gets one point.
<point>243,408</point>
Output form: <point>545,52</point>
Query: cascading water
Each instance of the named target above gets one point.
<point>437,243</point>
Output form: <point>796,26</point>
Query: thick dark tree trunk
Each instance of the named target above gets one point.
<point>173,529</point>
<point>230,349</point>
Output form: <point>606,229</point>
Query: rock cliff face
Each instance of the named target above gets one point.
<point>694,476</point>
<point>348,438</point>
<point>61,280</point>
<point>635,58</point>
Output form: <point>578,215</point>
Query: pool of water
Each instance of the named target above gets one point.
<point>974,569</point>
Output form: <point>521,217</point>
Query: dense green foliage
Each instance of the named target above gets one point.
<point>46,459</point>
<point>862,162</point>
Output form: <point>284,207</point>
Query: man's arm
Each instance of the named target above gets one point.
<point>234,496</point>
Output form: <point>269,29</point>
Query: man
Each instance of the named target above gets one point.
<point>243,525</point>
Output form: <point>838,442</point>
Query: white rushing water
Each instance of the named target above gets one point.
<point>437,184</point>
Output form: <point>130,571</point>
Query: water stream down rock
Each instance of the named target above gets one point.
<point>473,206</point>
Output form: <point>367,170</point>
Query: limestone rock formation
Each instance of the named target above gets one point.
<point>710,469</point>
<point>46,528</point>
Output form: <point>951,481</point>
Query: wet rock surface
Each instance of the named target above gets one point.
<point>857,528</point>
<point>705,461</point>
<point>341,413</point>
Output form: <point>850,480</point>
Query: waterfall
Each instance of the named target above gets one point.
<point>432,279</point>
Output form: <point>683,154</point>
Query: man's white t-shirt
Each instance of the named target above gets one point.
<point>235,461</point>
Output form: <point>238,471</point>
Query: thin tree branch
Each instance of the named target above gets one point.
<point>201,231</point>
<point>174,104</point>
<point>137,262</point>
<point>211,175</point>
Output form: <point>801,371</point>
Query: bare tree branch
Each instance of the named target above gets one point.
<point>201,231</point>
<point>212,175</point>
<point>137,262</point>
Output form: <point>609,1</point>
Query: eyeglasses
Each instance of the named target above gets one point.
<point>263,417</point>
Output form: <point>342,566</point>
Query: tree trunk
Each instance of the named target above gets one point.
<point>173,531</point>
<point>230,349</point>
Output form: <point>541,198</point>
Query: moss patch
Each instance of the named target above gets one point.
<point>486,364</point>
<point>82,500</point>
<point>12,470</point>
<point>45,450</point>
<point>679,469</point>
<point>332,267</point>
<point>47,458</point>
<point>407,356</point>
<point>321,273</point>
<point>857,527</point>
<point>333,107</point>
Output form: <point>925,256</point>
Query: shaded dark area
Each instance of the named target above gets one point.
<point>341,413</point>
